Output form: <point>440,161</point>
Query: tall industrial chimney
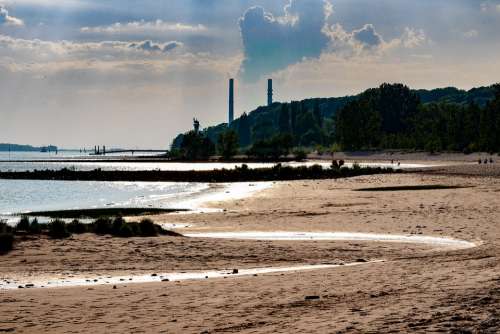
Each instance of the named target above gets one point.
<point>269,92</point>
<point>231,101</point>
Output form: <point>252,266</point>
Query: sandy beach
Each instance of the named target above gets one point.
<point>417,287</point>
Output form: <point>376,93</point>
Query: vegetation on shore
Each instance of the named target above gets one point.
<point>59,229</point>
<point>239,174</point>
<point>101,212</point>
<point>389,117</point>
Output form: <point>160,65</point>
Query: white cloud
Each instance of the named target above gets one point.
<point>413,38</point>
<point>156,47</point>
<point>8,20</point>
<point>368,40</point>
<point>38,50</point>
<point>144,27</point>
<point>471,33</point>
<point>490,7</point>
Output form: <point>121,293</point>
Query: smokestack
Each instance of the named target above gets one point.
<point>269,92</point>
<point>231,101</point>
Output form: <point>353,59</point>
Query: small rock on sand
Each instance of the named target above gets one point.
<point>312,298</point>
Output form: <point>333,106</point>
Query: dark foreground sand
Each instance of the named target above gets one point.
<point>418,289</point>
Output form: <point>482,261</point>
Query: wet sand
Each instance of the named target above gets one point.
<point>418,288</point>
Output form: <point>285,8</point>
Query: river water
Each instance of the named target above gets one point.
<point>18,196</point>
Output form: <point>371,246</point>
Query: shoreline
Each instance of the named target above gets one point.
<point>415,282</point>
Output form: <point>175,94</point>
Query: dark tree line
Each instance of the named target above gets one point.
<point>393,117</point>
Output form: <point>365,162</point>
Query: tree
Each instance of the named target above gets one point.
<point>244,130</point>
<point>284,119</point>
<point>196,146</point>
<point>277,146</point>
<point>317,114</point>
<point>227,144</point>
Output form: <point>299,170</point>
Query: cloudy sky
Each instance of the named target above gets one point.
<point>133,73</point>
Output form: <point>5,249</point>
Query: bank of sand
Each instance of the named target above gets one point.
<point>417,289</point>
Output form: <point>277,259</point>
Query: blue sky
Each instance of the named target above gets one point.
<point>134,73</point>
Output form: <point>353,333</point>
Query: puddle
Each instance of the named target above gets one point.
<point>338,236</point>
<point>47,282</point>
<point>161,277</point>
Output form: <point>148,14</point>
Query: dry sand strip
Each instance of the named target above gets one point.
<point>439,243</point>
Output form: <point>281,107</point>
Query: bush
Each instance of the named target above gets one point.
<point>117,225</point>
<point>148,228</point>
<point>77,227</point>
<point>102,226</point>
<point>125,231</point>
<point>300,154</point>
<point>6,242</point>
<point>58,229</point>
<point>4,228</point>
<point>35,227</point>
<point>24,224</point>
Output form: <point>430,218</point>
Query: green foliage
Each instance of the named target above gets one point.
<point>58,229</point>
<point>196,146</point>
<point>391,116</point>
<point>148,228</point>
<point>336,147</point>
<point>117,225</point>
<point>4,228</point>
<point>244,132</point>
<point>24,224</point>
<point>276,147</point>
<point>300,154</point>
<point>35,227</point>
<point>6,242</point>
<point>102,226</point>
<point>77,227</point>
<point>227,144</point>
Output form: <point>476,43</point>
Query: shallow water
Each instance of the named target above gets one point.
<point>338,236</point>
<point>19,196</point>
<point>53,282</point>
<point>40,282</point>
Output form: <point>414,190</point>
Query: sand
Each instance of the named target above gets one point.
<point>418,288</point>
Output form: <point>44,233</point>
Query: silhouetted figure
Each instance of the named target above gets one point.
<point>485,161</point>
<point>491,160</point>
<point>196,125</point>
<point>480,161</point>
<point>341,163</point>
